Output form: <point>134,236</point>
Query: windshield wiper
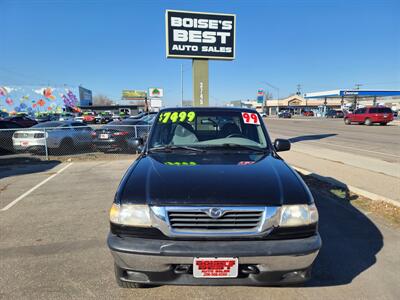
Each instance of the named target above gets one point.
<point>170,148</point>
<point>246,147</point>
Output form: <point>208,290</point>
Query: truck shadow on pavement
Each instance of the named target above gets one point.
<point>350,240</point>
<point>311,137</point>
<point>23,165</point>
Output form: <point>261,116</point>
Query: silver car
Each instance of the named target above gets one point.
<point>61,136</point>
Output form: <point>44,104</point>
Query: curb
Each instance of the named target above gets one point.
<point>355,190</point>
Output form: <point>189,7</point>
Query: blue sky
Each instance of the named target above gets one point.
<point>108,46</point>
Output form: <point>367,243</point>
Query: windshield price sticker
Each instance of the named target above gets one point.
<point>177,116</point>
<point>250,118</point>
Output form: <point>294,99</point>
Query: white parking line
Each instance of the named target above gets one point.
<point>11,204</point>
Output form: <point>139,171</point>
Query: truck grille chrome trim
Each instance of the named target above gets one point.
<point>187,221</point>
<point>201,220</point>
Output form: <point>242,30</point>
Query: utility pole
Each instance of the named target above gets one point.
<point>182,85</point>
<point>358,86</point>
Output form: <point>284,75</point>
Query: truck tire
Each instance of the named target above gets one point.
<point>347,121</point>
<point>126,285</point>
<point>368,122</point>
<point>383,124</point>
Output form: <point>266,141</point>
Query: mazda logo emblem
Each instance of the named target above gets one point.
<point>215,212</point>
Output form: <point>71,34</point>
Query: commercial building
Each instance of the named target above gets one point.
<point>321,102</point>
<point>334,99</point>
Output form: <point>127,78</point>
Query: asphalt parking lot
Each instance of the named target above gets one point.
<point>53,242</point>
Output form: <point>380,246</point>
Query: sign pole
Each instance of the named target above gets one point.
<point>200,82</point>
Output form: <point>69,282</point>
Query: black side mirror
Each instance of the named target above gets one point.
<point>281,145</point>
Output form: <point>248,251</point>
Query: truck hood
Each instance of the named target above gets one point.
<point>212,179</point>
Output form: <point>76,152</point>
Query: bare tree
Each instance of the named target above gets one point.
<point>268,95</point>
<point>101,99</point>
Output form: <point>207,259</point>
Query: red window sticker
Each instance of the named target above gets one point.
<point>250,118</point>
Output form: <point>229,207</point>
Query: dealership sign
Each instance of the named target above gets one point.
<point>156,93</point>
<point>134,95</point>
<point>200,35</point>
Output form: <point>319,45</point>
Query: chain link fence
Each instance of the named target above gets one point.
<point>46,142</point>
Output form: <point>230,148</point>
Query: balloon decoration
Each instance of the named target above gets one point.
<point>24,98</point>
<point>47,92</point>
<point>70,99</point>
<point>3,91</point>
<point>41,102</point>
<point>37,98</point>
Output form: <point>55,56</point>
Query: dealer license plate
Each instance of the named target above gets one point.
<point>24,143</point>
<point>104,136</point>
<point>221,267</point>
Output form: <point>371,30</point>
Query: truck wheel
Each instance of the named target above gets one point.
<point>383,124</point>
<point>126,285</point>
<point>347,121</point>
<point>368,122</point>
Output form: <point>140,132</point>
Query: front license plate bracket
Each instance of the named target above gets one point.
<point>215,267</point>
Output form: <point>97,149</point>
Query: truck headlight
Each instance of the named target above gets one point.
<point>130,214</point>
<point>298,215</point>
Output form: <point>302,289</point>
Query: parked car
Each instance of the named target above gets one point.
<point>212,204</point>
<point>89,117</point>
<point>60,137</point>
<point>65,117</point>
<point>308,113</point>
<point>369,115</point>
<point>334,114</point>
<point>284,114</point>
<point>21,120</point>
<point>3,115</point>
<point>263,115</point>
<point>46,118</point>
<point>106,117</point>
<point>142,114</point>
<point>7,130</point>
<point>122,135</point>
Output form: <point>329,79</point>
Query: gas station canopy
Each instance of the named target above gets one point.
<point>351,93</point>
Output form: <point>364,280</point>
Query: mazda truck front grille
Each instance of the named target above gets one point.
<point>215,219</point>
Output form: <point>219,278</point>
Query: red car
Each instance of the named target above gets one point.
<point>370,115</point>
<point>308,113</point>
<point>89,117</point>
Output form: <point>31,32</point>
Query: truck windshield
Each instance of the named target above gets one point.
<point>229,129</point>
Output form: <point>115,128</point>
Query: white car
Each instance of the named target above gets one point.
<point>61,136</point>
<point>78,119</point>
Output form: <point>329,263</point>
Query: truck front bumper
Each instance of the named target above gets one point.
<point>278,262</point>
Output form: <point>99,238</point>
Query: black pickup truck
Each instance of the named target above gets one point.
<point>210,202</point>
